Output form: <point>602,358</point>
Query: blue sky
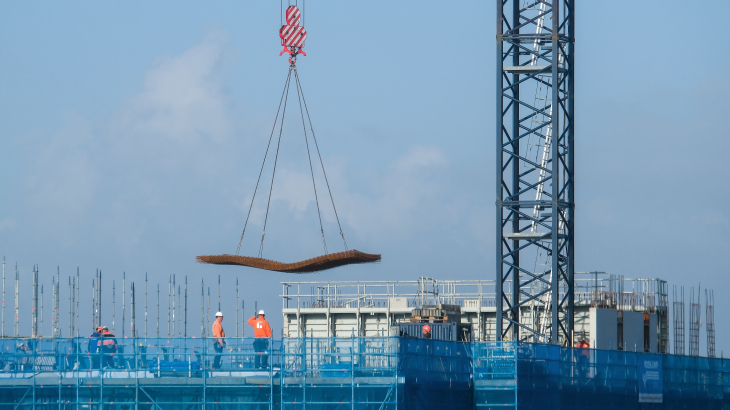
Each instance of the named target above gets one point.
<point>132,135</point>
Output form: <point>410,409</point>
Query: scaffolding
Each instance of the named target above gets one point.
<point>248,373</point>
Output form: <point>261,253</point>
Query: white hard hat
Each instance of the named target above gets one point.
<point>261,312</point>
<point>218,314</point>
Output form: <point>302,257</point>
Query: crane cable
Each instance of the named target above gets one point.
<point>302,108</point>
<point>309,156</point>
<point>276,160</point>
<point>283,93</point>
<point>319,154</point>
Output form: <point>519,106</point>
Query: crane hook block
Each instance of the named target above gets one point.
<point>292,34</point>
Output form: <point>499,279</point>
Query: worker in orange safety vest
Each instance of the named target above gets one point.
<point>262,333</point>
<point>218,342</point>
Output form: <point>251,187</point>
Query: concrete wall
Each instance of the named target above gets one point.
<point>603,328</point>
<point>633,331</point>
<point>653,336</point>
<point>598,326</point>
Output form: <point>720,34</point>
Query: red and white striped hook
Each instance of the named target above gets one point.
<point>292,34</point>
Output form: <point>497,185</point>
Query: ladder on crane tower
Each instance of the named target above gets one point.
<point>539,146</point>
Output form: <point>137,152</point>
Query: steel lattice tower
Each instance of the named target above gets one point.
<point>535,178</point>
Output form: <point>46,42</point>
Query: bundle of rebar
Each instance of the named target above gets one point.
<point>320,263</point>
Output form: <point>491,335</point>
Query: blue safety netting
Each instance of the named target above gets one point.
<point>362,373</point>
<point>531,376</point>
<point>329,373</point>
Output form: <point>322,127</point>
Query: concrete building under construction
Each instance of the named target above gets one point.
<point>611,312</point>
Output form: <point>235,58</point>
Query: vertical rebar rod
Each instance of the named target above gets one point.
<point>207,316</point>
<point>17,313</point>
<point>169,303</point>
<point>53,311</point>
<point>114,306</point>
<point>78,300</point>
<point>93,303</point>
<point>57,302</point>
<point>158,310</point>
<point>34,317</point>
<point>98,299</point>
<point>124,304</point>
<point>243,318</point>
<point>131,322</point>
<point>70,309</point>
<point>54,318</point>
<point>74,322</point>
<point>3,325</point>
<point>178,313</point>
<point>237,333</point>
<point>202,308</point>
<point>145,304</point>
<point>39,331</point>
<point>53,286</point>
<point>219,293</point>
<point>173,304</point>
<point>185,330</point>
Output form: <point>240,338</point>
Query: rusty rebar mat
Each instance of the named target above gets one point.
<point>320,263</point>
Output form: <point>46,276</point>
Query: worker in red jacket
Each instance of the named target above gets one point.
<point>107,345</point>
<point>262,333</point>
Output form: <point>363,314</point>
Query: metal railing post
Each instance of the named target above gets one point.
<point>205,369</point>
<point>33,368</point>
<point>101,375</point>
<point>77,365</point>
<point>271,375</point>
<point>136,368</point>
<point>60,371</point>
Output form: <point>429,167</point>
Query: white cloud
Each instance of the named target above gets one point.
<point>183,98</point>
<point>420,156</point>
<point>397,199</point>
<point>132,173</point>
<point>7,223</point>
<point>295,188</point>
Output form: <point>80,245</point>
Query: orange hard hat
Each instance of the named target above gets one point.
<point>426,328</point>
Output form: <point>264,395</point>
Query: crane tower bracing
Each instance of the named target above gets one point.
<point>535,191</point>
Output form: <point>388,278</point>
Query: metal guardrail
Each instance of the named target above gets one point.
<point>591,288</point>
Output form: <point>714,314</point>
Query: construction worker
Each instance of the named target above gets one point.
<point>583,358</point>
<point>218,342</point>
<point>93,348</point>
<point>262,333</point>
<point>107,346</point>
<point>426,330</point>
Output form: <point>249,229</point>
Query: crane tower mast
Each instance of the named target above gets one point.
<point>535,173</point>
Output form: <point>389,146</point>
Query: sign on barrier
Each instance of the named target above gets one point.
<point>650,379</point>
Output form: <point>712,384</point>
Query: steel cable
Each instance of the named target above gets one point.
<point>314,137</point>
<point>286,87</point>
<point>309,156</point>
<point>276,159</point>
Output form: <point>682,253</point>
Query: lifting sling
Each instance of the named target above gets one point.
<point>292,38</point>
